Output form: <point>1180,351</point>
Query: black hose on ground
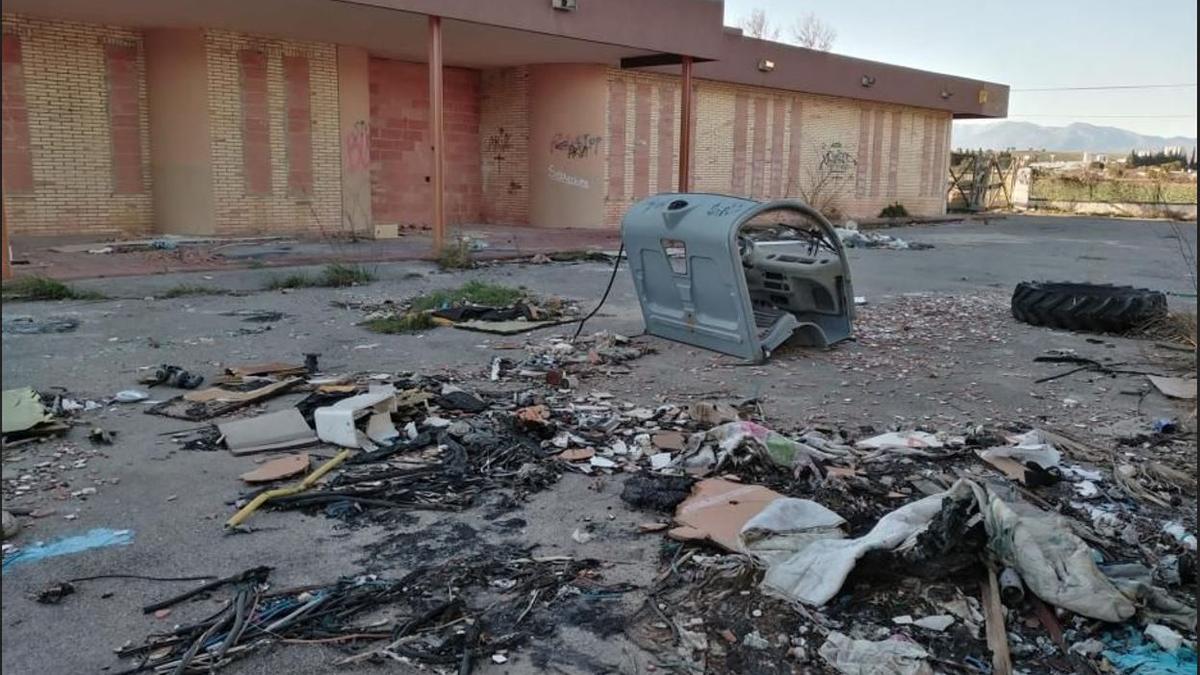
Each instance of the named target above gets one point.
<point>607,290</point>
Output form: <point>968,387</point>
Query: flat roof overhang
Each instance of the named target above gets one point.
<point>815,72</point>
<point>476,33</point>
<point>646,34</point>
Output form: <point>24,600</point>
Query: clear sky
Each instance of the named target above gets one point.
<point>1028,43</point>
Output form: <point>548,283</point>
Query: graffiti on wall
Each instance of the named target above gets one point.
<point>560,176</point>
<point>579,146</point>
<point>835,160</point>
<point>497,145</point>
<point>357,149</point>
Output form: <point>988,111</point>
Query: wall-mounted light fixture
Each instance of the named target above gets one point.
<point>563,5</point>
<point>868,81</point>
<point>946,94</point>
<point>766,65</point>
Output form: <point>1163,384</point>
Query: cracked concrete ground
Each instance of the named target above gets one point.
<point>946,357</point>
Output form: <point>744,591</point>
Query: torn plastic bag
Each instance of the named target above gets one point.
<point>779,448</point>
<point>919,440</point>
<point>1054,563</point>
<point>787,525</point>
<point>1135,581</point>
<point>866,657</point>
<point>1030,459</point>
<point>816,572</point>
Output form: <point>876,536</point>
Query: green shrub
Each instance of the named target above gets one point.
<point>43,288</point>
<point>336,275</point>
<point>455,256</point>
<point>475,292</point>
<point>184,290</point>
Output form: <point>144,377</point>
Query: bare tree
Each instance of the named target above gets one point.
<point>757,25</point>
<point>813,33</point>
<point>826,180</point>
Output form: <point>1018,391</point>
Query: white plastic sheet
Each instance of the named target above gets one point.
<point>808,560</point>
<point>867,657</point>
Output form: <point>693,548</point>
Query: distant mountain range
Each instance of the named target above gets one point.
<point>1076,137</point>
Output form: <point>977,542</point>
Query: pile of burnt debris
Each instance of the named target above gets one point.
<point>947,550</point>
<point>985,549</point>
<point>453,614</point>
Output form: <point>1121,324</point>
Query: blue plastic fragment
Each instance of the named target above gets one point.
<point>1165,425</point>
<point>100,537</point>
<point>1133,655</point>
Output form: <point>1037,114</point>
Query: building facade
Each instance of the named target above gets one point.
<point>123,127</point>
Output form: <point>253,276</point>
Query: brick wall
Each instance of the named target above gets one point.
<point>75,129</point>
<point>17,159</point>
<point>504,145</point>
<point>401,157</point>
<point>258,161</point>
<point>642,142</point>
<point>766,144</point>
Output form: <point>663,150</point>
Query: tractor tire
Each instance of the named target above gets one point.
<point>1093,308</point>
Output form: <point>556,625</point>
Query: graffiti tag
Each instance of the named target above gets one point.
<point>498,144</point>
<point>576,147</point>
<point>560,176</point>
<point>835,161</point>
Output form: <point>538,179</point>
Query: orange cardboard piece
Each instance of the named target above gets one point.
<point>219,394</point>
<point>278,468</point>
<point>717,509</point>
<point>534,414</point>
<point>668,440</point>
<point>577,454</point>
<point>1009,467</point>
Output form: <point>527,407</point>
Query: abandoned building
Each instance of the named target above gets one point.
<point>313,116</point>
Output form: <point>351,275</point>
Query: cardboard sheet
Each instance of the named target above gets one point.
<point>1175,387</point>
<point>23,410</point>
<point>717,509</point>
<point>277,469</point>
<point>228,395</point>
<point>273,431</point>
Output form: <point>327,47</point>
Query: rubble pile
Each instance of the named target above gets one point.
<point>852,237</point>
<point>993,544</point>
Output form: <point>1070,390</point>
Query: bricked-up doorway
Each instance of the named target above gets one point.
<point>400,144</point>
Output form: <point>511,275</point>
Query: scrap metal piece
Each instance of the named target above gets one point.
<point>738,276</point>
<point>248,510</point>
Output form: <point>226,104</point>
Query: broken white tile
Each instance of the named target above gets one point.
<point>939,622</point>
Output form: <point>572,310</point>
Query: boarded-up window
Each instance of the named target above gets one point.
<point>124,118</point>
<point>299,125</point>
<point>17,154</point>
<point>256,127</point>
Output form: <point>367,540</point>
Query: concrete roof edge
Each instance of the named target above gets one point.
<point>817,72</point>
